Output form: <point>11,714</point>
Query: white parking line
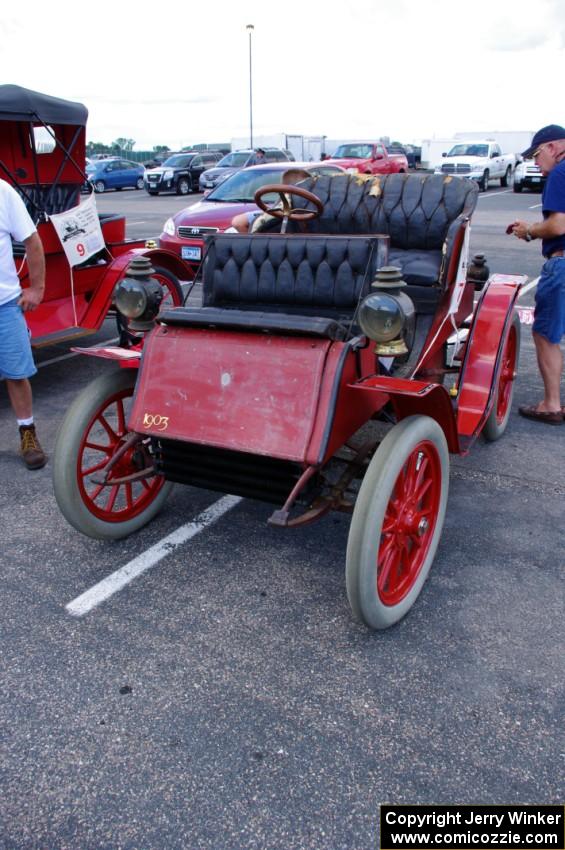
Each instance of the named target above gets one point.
<point>110,585</point>
<point>535,207</point>
<point>528,286</point>
<point>493,194</point>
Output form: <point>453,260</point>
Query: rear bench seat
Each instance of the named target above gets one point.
<point>421,213</point>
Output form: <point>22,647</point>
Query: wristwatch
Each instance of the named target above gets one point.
<point>528,237</point>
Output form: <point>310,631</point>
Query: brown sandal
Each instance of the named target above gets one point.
<point>549,417</point>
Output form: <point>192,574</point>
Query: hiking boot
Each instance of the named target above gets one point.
<point>33,455</point>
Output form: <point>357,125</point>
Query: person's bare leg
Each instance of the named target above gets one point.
<point>550,363</point>
<point>20,396</point>
<point>241,223</point>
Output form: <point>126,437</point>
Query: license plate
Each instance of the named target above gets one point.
<point>191,253</point>
<point>536,179</point>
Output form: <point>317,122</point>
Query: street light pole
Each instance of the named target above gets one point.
<point>250,29</point>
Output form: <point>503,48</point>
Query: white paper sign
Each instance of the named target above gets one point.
<point>79,231</point>
<point>460,280</point>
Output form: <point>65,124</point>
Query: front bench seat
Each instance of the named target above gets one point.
<point>308,285</point>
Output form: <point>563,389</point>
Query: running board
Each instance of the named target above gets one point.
<point>62,336</point>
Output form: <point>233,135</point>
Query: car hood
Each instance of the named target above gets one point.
<point>220,172</point>
<point>211,214</point>
<point>350,162</point>
<point>461,160</point>
<point>159,170</point>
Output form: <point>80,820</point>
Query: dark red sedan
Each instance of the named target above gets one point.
<point>184,233</point>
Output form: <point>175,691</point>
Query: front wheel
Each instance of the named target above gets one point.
<point>505,181</point>
<point>139,183</point>
<point>397,522</point>
<point>483,185</point>
<point>183,186</point>
<point>495,426</point>
<point>92,433</point>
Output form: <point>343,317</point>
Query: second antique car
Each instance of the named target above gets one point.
<point>320,378</point>
<point>49,178</point>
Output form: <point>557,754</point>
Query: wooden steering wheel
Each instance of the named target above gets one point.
<point>286,212</point>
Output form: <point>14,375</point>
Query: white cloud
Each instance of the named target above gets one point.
<point>395,67</point>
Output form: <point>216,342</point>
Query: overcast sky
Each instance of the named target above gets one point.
<point>177,73</point>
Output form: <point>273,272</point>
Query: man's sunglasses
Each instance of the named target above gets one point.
<point>537,152</point>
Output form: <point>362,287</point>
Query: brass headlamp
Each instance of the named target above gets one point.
<point>387,314</point>
<point>138,296</point>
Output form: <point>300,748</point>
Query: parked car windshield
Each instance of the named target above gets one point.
<point>178,161</point>
<point>237,159</point>
<point>243,185</point>
<point>353,152</point>
<point>469,150</point>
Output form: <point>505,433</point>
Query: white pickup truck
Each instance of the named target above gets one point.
<point>482,161</point>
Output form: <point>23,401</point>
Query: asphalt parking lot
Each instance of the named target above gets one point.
<point>225,699</point>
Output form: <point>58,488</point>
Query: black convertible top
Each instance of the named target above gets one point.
<point>19,104</point>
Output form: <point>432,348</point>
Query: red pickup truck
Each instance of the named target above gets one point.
<point>369,158</point>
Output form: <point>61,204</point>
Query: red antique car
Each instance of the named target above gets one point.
<point>42,154</point>
<point>318,374</point>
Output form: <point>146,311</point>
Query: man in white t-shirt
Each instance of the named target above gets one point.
<point>16,359</point>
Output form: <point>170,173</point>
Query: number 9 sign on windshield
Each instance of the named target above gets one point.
<point>79,231</point>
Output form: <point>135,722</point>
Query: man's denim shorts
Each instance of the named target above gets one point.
<point>16,359</point>
<point>549,314</point>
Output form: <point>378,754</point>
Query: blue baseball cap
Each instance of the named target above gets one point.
<point>551,133</point>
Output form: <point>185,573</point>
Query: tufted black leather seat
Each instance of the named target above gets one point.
<point>50,199</point>
<point>422,214</point>
<point>304,284</point>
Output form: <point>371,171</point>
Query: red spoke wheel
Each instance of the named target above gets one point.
<point>397,522</point>
<point>172,296</point>
<point>496,423</point>
<point>94,432</point>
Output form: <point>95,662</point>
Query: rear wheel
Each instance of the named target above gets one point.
<point>93,432</point>
<point>517,187</point>
<point>397,522</point>
<point>495,426</point>
<point>505,181</point>
<point>139,183</point>
<point>183,186</point>
<point>100,186</point>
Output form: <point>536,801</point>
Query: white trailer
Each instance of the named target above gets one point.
<point>432,150</point>
<point>303,148</point>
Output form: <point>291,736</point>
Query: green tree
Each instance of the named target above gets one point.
<point>97,147</point>
<point>123,144</point>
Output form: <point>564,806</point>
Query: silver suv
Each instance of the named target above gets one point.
<point>235,161</point>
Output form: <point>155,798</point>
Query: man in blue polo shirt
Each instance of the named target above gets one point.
<point>548,150</point>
